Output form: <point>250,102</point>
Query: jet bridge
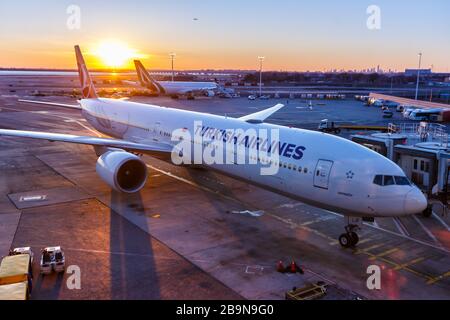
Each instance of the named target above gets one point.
<point>421,150</point>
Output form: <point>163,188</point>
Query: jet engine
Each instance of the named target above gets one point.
<point>122,171</point>
<point>209,93</point>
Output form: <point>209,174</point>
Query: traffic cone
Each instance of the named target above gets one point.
<point>280,266</point>
<point>293,268</point>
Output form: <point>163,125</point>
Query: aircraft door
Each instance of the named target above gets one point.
<point>322,173</point>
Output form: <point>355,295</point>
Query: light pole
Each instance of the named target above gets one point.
<point>418,75</point>
<point>172,57</point>
<point>261,59</point>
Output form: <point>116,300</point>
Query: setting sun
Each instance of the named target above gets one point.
<point>115,54</point>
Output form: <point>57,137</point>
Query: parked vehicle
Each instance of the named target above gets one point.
<point>328,127</point>
<point>251,97</point>
<point>52,258</point>
<point>60,261</point>
<point>390,104</point>
<point>46,262</point>
<point>387,113</point>
<point>15,277</point>
<point>407,111</point>
<point>23,250</point>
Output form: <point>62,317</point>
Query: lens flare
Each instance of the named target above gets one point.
<point>115,54</point>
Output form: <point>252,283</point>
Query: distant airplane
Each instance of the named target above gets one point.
<point>316,168</point>
<point>174,88</point>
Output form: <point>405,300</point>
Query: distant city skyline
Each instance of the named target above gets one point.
<point>292,35</point>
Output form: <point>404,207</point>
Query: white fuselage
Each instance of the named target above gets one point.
<point>184,87</point>
<point>336,174</point>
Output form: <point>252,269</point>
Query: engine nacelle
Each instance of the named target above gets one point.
<point>122,171</point>
<point>209,93</point>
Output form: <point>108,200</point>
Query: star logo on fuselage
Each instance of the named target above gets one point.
<point>350,174</point>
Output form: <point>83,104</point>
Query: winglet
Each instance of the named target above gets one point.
<point>146,79</point>
<point>87,86</point>
<point>262,115</point>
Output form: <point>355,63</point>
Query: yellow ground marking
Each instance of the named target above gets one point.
<point>410,263</point>
<point>438,278</point>
<point>384,253</point>
<point>365,250</point>
<point>381,256</point>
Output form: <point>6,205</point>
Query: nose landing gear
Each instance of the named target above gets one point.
<point>350,237</point>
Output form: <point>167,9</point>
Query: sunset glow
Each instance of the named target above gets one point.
<point>316,36</point>
<point>115,54</point>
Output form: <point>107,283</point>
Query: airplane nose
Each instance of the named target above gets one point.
<point>415,202</point>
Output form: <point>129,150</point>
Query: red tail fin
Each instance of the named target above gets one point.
<point>146,79</point>
<point>87,87</point>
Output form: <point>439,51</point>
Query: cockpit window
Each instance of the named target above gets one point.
<point>378,180</point>
<point>391,180</point>
<point>402,181</point>
<point>388,180</point>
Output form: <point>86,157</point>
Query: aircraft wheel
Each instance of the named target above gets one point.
<point>345,240</point>
<point>355,238</point>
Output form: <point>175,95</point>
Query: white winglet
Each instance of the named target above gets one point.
<point>262,115</point>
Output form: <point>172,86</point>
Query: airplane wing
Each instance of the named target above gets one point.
<point>262,115</point>
<point>157,149</point>
<point>70,106</point>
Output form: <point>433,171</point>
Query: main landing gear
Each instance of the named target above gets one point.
<point>350,237</point>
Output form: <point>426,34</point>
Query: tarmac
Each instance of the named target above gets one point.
<point>192,233</point>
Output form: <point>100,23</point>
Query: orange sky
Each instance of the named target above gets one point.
<point>292,35</point>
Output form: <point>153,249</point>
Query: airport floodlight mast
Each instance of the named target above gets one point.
<point>261,59</point>
<point>418,75</point>
<point>172,57</point>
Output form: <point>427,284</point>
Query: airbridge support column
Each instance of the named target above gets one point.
<point>390,149</point>
<point>442,172</point>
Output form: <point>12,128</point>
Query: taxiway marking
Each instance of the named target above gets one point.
<point>410,263</point>
<point>428,232</point>
<point>384,253</point>
<point>441,221</point>
<point>333,241</point>
<point>439,278</point>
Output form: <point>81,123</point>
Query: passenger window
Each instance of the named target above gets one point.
<point>305,170</point>
<point>299,169</point>
<point>378,180</point>
<point>388,180</point>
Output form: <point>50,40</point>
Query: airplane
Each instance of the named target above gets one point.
<point>316,168</point>
<point>173,88</point>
